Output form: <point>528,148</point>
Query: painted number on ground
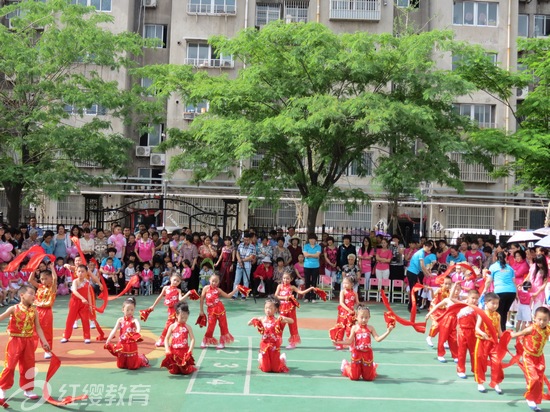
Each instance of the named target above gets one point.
<point>219,382</point>
<point>226,365</point>
<point>232,352</point>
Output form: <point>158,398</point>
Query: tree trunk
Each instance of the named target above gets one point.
<point>312,212</point>
<point>13,199</point>
<point>393,223</point>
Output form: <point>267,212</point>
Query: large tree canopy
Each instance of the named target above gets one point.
<point>311,102</point>
<point>56,56</point>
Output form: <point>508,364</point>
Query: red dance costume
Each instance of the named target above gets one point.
<point>345,319</point>
<point>127,350</point>
<point>179,362</point>
<point>78,309</point>
<point>438,297</point>
<point>44,300</point>
<point>486,355</point>
<point>288,310</point>
<point>226,282</point>
<point>534,362</point>
<point>362,359</point>
<point>270,359</point>
<point>216,313</point>
<point>171,299</point>
<point>20,348</point>
<point>447,333</point>
<point>466,318</point>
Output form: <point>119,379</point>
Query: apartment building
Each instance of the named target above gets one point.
<point>183,27</point>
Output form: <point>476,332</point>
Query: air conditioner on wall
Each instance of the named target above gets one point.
<point>522,93</point>
<point>150,3</point>
<point>157,159</point>
<point>143,151</point>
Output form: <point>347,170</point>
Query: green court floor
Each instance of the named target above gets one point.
<point>409,375</point>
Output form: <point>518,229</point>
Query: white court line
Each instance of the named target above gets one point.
<point>248,368</point>
<point>194,376</point>
<point>361,398</point>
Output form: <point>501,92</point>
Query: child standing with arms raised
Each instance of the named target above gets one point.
<point>126,351</point>
<point>362,359</point>
<point>288,306</point>
<point>179,344</point>
<point>46,292</point>
<point>534,339</point>
<point>271,329</point>
<point>79,305</point>
<point>346,312</point>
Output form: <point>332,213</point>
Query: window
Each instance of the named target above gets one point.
<point>153,137</point>
<point>473,172</point>
<point>523,25</point>
<point>482,114</point>
<point>296,11</point>
<point>70,207</point>
<point>476,217</point>
<point>146,174</point>
<point>100,5</point>
<point>457,58</point>
<point>266,13</point>
<point>211,6</point>
<point>156,31</point>
<point>193,110</point>
<point>542,26</point>
<point>336,216</point>
<point>355,10</point>
<point>81,2</point>
<point>203,55</point>
<point>407,3</point>
<point>95,110</point>
<point>363,168</point>
<point>474,13</point>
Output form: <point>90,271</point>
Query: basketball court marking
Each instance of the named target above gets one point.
<point>194,376</point>
<point>248,368</point>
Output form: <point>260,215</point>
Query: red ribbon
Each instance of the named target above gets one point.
<point>417,326</point>
<point>32,265</point>
<point>389,318</point>
<point>193,295</point>
<point>201,321</point>
<point>244,290</point>
<point>439,278</point>
<point>257,323</point>
<point>293,300</point>
<point>144,314</point>
<point>321,293</point>
<point>132,283</point>
<point>55,363</point>
<point>14,264</point>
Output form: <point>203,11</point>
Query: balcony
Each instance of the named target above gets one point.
<point>211,63</point>
<point>368,10</point>
<point>212,9</point>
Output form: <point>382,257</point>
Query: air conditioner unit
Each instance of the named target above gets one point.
<point>150,3</point>
<point>143,151</point>
<point>522,93</point>
<point>158,159</point>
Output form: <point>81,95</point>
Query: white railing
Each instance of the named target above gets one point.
<point>207,63</point>
<point>208,8</point>
<point>355,10</point>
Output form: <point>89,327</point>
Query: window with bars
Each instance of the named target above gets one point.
<point>355,10</point>
<point>474,173</point>
<point>70,207</point>
<point>266,216</point>
<point>363,167</point>
<point>470,217</point>
<point>212,6</point>
<point>475,13</point>
<point>296,11</point>
<point>266,13</point>
<point>521,220</point>
<point>336,216</point>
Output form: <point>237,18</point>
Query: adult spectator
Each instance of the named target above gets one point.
<point>31,241</point>
<point>295,249</point>
<point>100,245</point>
<point>87,244</point>
<point>264,272</point>
<point>352,271</point>
<point>118,241</point>
<point>24,232</point>
<point>280,251</point>
<point>455,256</point>
<point>47,243</point>
<point>502,276</point>
<point>418,267</point>
<point>207,251</point>
<point>474,257</point>
<point>397,268</point>
<point>62,242</point>
<point>190,252</point>
<point>291,232</point>
<point>443,251</point>
<point>246,254</point>
<point>33,225</point>
<point>344,250</point>
<point>264,250</point>
<point>312,252</point>
<point>145,249</point>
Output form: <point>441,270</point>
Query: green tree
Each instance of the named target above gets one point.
<point>56,56</point>
<point>311,102</point>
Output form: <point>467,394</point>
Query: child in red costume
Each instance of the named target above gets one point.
<point>446,324</point>
<point>79,305</point>
<point>22,324</point>
<point>179,344</point>
<point>287,307</point>
<point>442,293</point>
<point>46,292</point>
<point>271,329</point>
<point>534,339</point>
<point>216,313</point>
<point>346,311</point>
<point>466,319</point>
<point>486,349</point>
<point>172,296</point>
<point>362,360</point>
<point>126,351</point>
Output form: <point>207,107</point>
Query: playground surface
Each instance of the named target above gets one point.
<point>409,375</point>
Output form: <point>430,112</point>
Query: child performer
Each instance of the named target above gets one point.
<point>346,311</point>
<point>46,292</point>
<point>271,329</point>
<point>79,305</point>
<point>288,307</point>
<point>466,319</point>
<point>172,296</point>
<point>22,324</point>
<point>534,339</point>
<point>216,313</point>
<point>179,344</point>
<point>442,293</point>
<point>486,350</point>
<point>362,360</point>
<point>126,351</point>
<point>446,323</point>
<point>523,316</point>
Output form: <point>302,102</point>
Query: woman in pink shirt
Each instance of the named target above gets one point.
<point>383,259</point>
<point>145,248</point>
<point>365,254</point>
